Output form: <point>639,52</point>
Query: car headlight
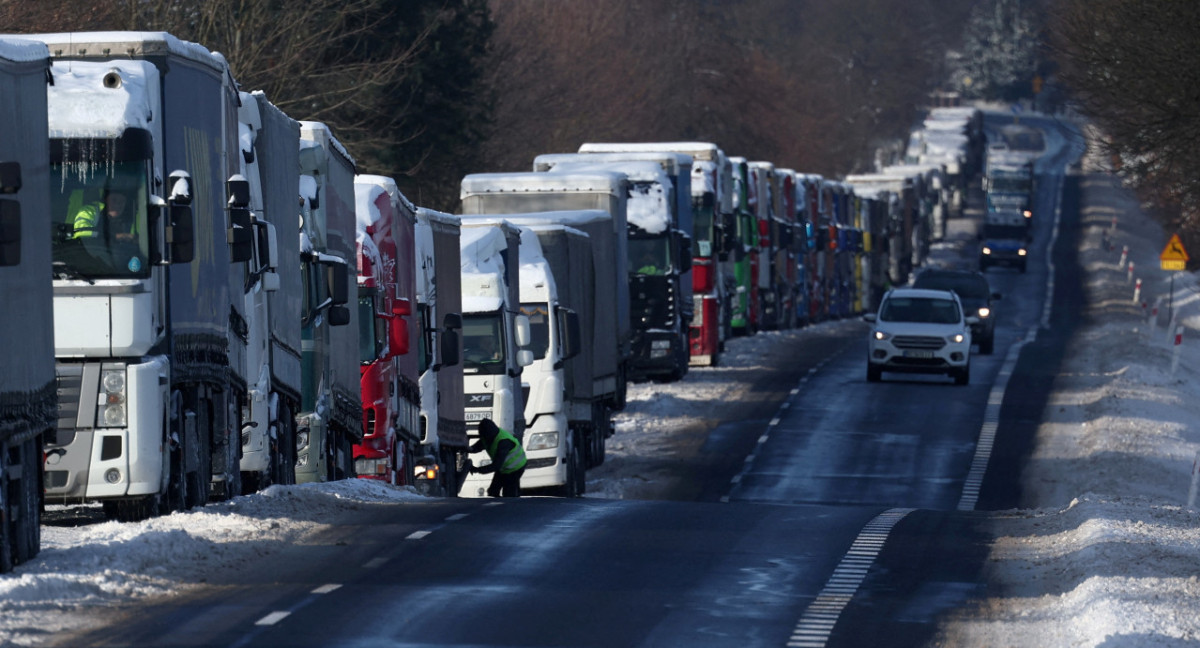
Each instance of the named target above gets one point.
<point>542,441</point>
<point>1021,252</point>
<point>984,311</point>
<point>880,335</point>
<point>957,338</point>
<point>987,250</point>
<point>1028,214</point>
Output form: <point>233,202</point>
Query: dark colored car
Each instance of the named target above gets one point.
<point>975,294</point>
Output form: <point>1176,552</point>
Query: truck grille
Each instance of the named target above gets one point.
<point>918,342</point>
<point>70,384</point>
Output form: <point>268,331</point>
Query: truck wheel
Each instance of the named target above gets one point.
<point>30,533</point>
<point>134,510</point>
<point>580,473</point>
<point>199,480</point>
<point>8,551</point>
<point>283,457</point>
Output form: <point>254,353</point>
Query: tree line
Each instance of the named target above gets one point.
<point>427,91</point>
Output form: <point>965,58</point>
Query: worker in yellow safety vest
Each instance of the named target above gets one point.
<point>108,218</point>
<point>508,459</point>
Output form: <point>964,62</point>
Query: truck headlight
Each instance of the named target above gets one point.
<point>542,441</point>
<point>1021,252</point>
<point>984,312</point>
<point>111,408</point>
<point>987,250</point>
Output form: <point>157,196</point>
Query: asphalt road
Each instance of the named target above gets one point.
<point>825,513</point>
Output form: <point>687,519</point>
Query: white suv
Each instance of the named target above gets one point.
<point>920,331</point>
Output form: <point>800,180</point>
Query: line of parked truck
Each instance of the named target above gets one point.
<point>261,314</point>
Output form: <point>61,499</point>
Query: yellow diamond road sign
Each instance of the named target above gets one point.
<point>1173,256</point>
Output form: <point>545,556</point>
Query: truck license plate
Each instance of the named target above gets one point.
<point>477,416</point>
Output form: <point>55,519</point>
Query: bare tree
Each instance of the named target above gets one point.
<point>1132,68</point>
<point>803,83</point>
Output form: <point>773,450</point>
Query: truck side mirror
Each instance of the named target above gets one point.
<point>240,234</point>
<point>339,316</point>
<point>568,323</point>
<point>10,177</point>
<point>523,334</point>
<point>336,276</point>
<point>180,183</point>
<point>450,346</point>
<point>452,321</point>
<point>180,233</point>
<point>10,232</point>
<point>685,252</point>
<point>397,337</point>
<point>524,357</point>
<point>270,281</point>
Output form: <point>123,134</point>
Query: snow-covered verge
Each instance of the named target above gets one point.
<point>1109,553</point>
<point>82,570</point>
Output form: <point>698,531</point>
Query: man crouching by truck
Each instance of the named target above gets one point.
<point>508,459</point>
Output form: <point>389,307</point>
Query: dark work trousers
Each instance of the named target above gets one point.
<point>506,484</point>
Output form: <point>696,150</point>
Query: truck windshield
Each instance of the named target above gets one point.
<point>539,328</point>
<point>483,344</point>
<point>650,255</point>
<point>1009,184</point>
<point>98,200</point>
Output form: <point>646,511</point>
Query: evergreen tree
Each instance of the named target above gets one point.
<point>1000,52</point>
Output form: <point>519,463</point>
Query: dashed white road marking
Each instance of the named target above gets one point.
<point>375,563</point>
<point>272,618</point>
<point>816,624</point>
<point>456,517</point>
<point>325,589</point>
<point>417,535</point>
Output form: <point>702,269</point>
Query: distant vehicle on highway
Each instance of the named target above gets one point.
<point>975,294</point>
<point>1004,240</point>
<point>920,331</point>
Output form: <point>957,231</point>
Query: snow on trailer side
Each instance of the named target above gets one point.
<point>28,398</point>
